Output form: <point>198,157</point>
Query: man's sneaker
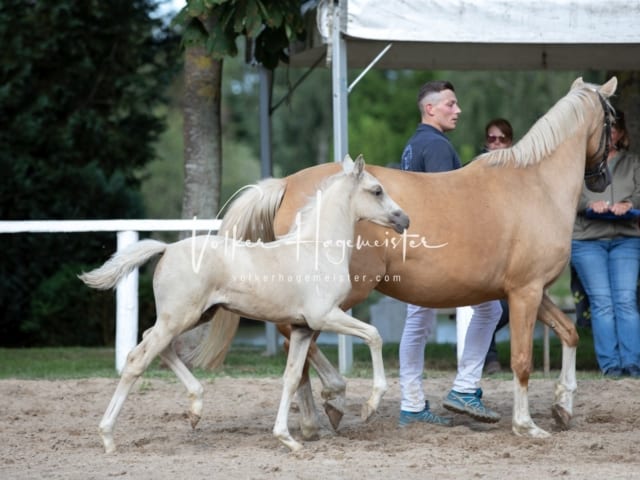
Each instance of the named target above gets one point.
<point>425,416</point>
<point>470,404</point>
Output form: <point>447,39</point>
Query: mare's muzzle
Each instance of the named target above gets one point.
<point>598,179</point>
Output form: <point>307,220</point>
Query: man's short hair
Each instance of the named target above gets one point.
<point>434,86</point>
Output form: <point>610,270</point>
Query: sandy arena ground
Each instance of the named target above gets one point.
<point>49,430</point>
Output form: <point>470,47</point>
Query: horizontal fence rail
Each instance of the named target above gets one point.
<point>127,233</point>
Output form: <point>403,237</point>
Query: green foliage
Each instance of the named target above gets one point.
<point>78,86</point>
<point>383,114</point>
<point>383,110</point>
<point>244,361</point>
<point>270,24</point>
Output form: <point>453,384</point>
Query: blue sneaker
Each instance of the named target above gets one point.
<point>425,416</point>
<point>470,404</point>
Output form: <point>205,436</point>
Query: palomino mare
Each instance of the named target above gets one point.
<point>300,280</point>
<point>499,227</point>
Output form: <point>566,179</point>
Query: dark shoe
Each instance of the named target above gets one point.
<point>633,371</point>
<point>470,404</point>
<point>492,367</point>
<point>425,416</point>
<point>613,372</point>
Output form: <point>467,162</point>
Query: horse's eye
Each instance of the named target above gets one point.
<point>377,190</point>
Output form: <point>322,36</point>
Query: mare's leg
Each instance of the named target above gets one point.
<point>299,344</point>
<point>523,309</point>
<point>333,385</point>
<point>339,322</point>
<point>564,328</point>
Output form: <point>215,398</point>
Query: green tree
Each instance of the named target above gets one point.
<point>211,31</point>
<point>78,85</point>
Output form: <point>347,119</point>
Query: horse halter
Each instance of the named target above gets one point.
<point>598,178</point>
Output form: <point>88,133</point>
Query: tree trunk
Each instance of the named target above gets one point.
<point>202,134</point>
<point>202,154</point>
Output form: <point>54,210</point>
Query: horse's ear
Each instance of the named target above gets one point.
<point>358,166</point>
<point>577,83</point>
<point>609,88</point>
<point>347,164</point>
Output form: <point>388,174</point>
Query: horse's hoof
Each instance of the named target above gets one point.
<point>531,431</point>
<point>334,413</point>
<point>561,416</point>
<point>293,445</point>
<point>310,432</point>
<point>367,412</point>
<point>193,419</point>
<point>109,444</point>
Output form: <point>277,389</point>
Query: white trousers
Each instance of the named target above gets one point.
<point>420,322</point>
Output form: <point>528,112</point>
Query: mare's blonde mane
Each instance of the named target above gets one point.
<point>544,137</point>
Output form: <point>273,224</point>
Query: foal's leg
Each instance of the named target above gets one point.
<point>339,322</point>
<point>299,344</point>
<point>193,386</point>
<point>333,385</point>
<point>523,309</point>
<point>156,340</point>
<point>309,422</point>
<point>552,316</point>
<point>137,362</point>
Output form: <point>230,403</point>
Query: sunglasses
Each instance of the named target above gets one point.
<point>494,138</point>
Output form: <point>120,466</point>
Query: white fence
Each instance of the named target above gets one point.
<point>127,289</point>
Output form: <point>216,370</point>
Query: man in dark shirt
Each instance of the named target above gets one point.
<point>429,150</point>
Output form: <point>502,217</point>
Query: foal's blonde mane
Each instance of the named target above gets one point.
<point>544,137</point>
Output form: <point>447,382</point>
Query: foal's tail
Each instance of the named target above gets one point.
<point>121,263</point>
<point>250,217</point>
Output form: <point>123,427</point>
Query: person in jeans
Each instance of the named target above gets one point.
<point>605,252</point>
<point>429,150</point>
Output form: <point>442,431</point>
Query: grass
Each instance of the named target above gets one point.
<point>79,362</point>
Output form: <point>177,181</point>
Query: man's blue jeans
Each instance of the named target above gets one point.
<point>609,271</point>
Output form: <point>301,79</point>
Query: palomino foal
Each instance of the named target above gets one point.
<point>300,280</point>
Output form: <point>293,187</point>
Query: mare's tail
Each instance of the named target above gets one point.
<point>250,217</point>
<point>121,263</point>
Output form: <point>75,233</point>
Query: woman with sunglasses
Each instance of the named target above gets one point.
<point>498,134</point>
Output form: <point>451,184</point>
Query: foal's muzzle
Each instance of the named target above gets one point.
<point>400,221</point>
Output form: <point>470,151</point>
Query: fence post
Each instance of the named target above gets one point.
<point>126,306</point>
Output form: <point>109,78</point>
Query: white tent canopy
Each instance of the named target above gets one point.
<point>481,34</point>
<point>464,35</point>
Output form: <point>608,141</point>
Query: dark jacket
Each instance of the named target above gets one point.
<point>429,150</point>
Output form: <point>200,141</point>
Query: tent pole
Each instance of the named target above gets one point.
<point>266,170</point>
<point>340,141</point>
